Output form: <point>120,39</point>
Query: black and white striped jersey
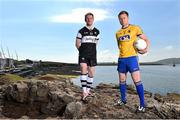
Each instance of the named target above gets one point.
<point>88,38</point>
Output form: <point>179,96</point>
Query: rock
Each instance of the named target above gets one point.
<point>170,110</point>
<point>67,98</point>
<point>60,99</point>
<point>73,110</point>
<point>42,91</point>
<point>18,92</point>
<point>55,105</point>
<point>102,86</point>
<point>24,117</point>
<point>152,103</point>
<point>158,97</point>
<point>33,92</point>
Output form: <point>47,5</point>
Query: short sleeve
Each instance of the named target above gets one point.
<point>139,31</point>
<point>97,38</point>
<point>116,36</point>
<point>79,35</point>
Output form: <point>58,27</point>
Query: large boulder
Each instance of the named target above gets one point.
<point>18,91</point>
<point>73,110</point>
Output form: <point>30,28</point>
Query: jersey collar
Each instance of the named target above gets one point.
<point>126,26</point>
<point>90,27</point>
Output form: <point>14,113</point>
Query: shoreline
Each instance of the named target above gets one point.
<point>55,97</point>
<point>132,85</point>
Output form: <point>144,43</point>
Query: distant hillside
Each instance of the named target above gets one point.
<point>169,61</point>
<point>159,62</point>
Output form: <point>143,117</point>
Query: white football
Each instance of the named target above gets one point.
<point>140,44</point>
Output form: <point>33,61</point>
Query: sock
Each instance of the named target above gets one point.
<point>83,79</point>
<point>89,83</point>
<point>122,88</point>
<point>140,91</point>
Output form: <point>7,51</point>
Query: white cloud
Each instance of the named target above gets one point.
<point>99,2</point>
<point>170,47</point>
<point>77,15</point>
<point>107,56</point>
<point>94,1</point>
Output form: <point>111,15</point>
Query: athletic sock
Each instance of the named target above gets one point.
<point>122,88</point>
<point>140,91</point>
<point>89,83</point>
<point>83,79</point>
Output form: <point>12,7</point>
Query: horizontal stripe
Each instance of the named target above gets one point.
<point>122,82</point>
<point>83,77</point>
<point>138,83</point>
<point>89,82</point>
<point>83,80</point>
<point>88,86</point>
<point>79,35</point>
<point>83,74</point>
<point>78,38</point>
<point>89,39</point>
<point>84,85</point>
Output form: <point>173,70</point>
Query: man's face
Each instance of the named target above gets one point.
<point>123,19</point>
<point>89,20</point>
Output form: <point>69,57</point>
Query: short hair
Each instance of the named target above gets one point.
<point>123,12</point>
<point>89,13</point>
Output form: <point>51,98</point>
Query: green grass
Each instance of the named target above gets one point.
<point>56,77</point>
<point>68,76</point>
<point>11,77</point>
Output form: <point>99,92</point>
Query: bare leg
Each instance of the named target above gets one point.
<point>136,76</point>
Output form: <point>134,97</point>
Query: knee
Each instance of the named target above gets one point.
<point>84,70</point>
<point>90,75</point>
<point>122,78</point>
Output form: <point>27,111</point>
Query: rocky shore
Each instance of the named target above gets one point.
<point>56,97</point>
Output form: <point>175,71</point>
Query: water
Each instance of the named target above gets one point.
<point>156,79</point>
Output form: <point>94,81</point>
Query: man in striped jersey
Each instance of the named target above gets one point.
<point>86,42</point>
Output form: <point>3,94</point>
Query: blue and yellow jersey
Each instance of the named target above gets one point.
<point>125,38</point>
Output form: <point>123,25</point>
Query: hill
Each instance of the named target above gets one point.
<point>169,61</point>
<point>159,62</point>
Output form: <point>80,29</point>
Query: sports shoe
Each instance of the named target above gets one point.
<point>119,103</point>
<point>141,109</point>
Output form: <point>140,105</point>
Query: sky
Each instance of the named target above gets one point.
<point>46,29</point>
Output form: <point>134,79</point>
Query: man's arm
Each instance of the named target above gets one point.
<point>143,36</point>
<point>78,43</point>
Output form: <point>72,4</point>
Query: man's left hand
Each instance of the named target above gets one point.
<point>142,51</point>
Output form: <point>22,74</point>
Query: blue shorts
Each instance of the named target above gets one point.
<point>128,64</point>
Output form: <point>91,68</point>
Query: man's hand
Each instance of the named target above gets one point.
<point>143,51</point>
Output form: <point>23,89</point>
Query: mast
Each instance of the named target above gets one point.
<point>16,55</point>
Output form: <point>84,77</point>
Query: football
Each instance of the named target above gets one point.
<point>140,44</point>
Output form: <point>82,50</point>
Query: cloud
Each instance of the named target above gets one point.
<point>99,2</point>
<point>77,15</point>
<point>107,56</point>
<point>170,47</point>
<point>92,1</point>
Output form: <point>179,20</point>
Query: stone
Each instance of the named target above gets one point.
<point>73,110</point>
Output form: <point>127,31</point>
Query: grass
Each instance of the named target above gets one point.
<point>55,77</point>
<point>8,78</point>
<point>68,76</point>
